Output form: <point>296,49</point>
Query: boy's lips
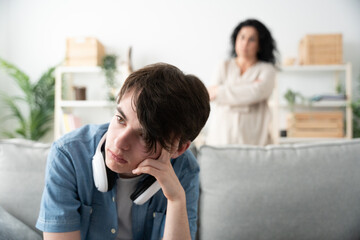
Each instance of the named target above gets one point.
<point>117,158</point>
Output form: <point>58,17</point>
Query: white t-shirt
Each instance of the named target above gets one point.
<point>124,188</point>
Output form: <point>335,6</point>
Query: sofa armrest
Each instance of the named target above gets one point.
<point>22,173</point>
<point>12,228</point>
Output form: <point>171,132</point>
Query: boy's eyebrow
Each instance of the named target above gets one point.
<point>139,130</point>
<point>121,113</point>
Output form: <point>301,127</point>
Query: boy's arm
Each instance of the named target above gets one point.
<point>177,223</point>
<point>190,184</point>
<point>62,236</point>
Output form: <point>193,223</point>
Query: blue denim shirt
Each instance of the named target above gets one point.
<point>71,201</point>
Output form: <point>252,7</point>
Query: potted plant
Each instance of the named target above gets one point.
<point>355,105</point>
<point>110,70</point>
<point>109,67</point>
<point>38,97</point>
<point>291,99</point>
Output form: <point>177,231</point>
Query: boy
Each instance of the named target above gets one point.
<point>159,112</point>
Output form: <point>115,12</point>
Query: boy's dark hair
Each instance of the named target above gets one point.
<point>168,103</point>
<point>267,45</point>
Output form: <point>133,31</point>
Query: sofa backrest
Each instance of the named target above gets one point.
<point>303,191</point>
<point>22,172</point>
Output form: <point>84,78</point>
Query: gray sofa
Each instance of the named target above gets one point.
<point>22,171</point>
<point>304,191</point>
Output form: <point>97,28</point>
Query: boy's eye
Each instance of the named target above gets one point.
<point>119,119</point>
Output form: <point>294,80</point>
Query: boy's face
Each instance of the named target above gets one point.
<point>125,147</point>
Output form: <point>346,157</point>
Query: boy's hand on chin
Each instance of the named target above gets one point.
<point>163,171</point>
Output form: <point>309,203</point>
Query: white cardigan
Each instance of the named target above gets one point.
<point>240,113</point>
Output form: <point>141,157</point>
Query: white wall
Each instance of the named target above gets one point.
<point>193,35</point>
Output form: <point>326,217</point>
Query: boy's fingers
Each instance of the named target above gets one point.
<point>165,155</point>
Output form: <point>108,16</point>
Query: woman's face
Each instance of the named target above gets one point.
<point>247,43</point>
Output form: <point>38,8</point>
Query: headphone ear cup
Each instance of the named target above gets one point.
<point>100,172</point>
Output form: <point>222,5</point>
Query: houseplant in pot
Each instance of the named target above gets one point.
<point>32,111</point>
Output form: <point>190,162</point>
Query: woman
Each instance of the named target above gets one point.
<point>244,83</point>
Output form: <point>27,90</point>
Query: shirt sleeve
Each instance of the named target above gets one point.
<point>190,183</point>
<point>255,91</point>
<point>60,205</point>
<point>219,74</point>
<point>192,199</point>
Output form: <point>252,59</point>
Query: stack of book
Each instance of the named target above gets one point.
<point>328,97</point>
<point>70,122</point>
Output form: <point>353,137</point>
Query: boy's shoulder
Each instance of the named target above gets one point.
<point>85,138</point>
<point>186,162</point>
<point>84,133</point>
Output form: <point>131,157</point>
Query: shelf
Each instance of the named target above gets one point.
<point>320,104</point>
<point>312,68</point>
<point>289,140</point>
<point>329,104</point>
<point>86,103</point>
<point>91,74</point>
<point>69,69</point>
<point>280,108</point>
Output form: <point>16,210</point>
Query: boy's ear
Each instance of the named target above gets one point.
<point>181,149</point>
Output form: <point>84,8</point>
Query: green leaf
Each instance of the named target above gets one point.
<point>39,100</point>
<point>14,109</point>
<point>20,78</point>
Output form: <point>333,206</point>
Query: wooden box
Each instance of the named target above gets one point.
<point>84,52</point>
<point>321,49</point>
<point>316,124</point>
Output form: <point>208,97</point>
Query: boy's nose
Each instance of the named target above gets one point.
<point>122,140</point>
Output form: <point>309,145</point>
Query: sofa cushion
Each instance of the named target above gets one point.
<point>13,229</point>
<point>22,171</point>
<point>304,191</point>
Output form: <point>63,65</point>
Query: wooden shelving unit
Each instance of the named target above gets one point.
<point>276,106</point>
<point>62,105</point>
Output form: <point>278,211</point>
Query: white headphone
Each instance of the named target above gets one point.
<point>101,178</point>
<point>99,168</point>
